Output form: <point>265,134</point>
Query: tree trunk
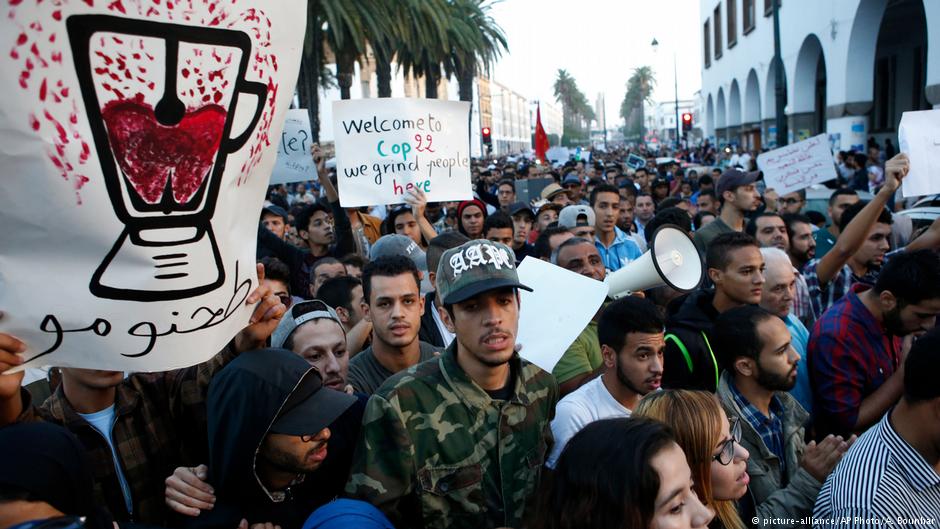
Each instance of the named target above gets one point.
<point>431,78</point>
<point>383,75</point>
<point>308,82</point>
<point>465,82</point>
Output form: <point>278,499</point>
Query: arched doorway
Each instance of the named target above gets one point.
<point>808,113</point>
<point>900,67</point>
<point>710,118</point>
<point>751,127</point>
<point>721,123</point>
<point>734,113</point>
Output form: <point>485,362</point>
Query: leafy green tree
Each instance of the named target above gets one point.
<point>639,91</point>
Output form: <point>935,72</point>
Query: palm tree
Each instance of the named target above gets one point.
<point>639,91</point>
<point>476,40</point>
<point>575,106</point>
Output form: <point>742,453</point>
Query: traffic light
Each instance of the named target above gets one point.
<point>487,138</point>
<point>686,122</point>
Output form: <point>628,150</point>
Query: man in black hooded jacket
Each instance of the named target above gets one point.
<point>736,267</point>
<point>270,422</point>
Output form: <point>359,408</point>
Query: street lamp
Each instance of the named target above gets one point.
<point>675,73</point>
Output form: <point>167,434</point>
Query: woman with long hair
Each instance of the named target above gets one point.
<point>711,445</point>
<point>620,473</point>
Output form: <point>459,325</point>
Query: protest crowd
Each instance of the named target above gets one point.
<point>379,383</point>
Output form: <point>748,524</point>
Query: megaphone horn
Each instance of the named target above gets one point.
<point>672,260</point>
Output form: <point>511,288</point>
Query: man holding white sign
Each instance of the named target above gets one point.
<point>385,147</point>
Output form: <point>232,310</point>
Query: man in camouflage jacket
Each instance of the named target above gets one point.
<point>459,441</point>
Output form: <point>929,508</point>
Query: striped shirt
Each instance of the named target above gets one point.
<point>881,477</point>
<point>824,295</point>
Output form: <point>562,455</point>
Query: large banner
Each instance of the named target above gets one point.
<point>138,139</point>
<point>386,146</point>
<point>798,166</point>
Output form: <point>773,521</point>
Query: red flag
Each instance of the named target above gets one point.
<point>541,139</point>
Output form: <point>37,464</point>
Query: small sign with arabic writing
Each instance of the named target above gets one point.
<point>798,166</point>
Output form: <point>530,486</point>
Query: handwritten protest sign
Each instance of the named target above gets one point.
<point>294,163</point>
<point>545,335</point>
<point>386,146</point>
<point>919,138</point>
<point>798,166</point>
<point>136,157</point>
<point>558,154</point>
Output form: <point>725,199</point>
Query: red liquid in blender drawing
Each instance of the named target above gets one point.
<point>149,153</point>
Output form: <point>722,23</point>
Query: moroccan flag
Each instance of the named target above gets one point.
<point>541,139</point>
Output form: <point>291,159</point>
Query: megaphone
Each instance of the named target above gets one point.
<point>672,260</point>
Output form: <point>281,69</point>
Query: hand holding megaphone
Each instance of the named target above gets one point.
<point>672,260</point>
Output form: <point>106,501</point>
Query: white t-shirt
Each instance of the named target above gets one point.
<point>591,402</point>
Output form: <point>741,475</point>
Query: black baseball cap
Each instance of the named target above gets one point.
<point>311,407</point>
<point>276,210</point>
<point>735,178</point>
<point>520,207</point>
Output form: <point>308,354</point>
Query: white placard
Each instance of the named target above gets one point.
<point>386,146</point>
<point>559,307</point>
<point>798,166</point>
<point>139,138</point>
<point>294,163</point>
<point>919,138</point>
<point>558,154</point>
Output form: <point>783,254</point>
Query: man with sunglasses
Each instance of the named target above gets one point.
<point>760,365</point>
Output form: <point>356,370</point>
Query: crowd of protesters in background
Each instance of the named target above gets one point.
<point>379,383</point>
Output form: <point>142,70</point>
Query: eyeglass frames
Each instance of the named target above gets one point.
<point>726,456</point>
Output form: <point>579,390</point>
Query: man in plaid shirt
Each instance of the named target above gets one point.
<point>154,422</point>
<point>855,351</point>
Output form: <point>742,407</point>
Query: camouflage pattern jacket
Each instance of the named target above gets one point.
<point>436,451</point>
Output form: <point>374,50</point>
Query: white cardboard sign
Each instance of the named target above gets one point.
<point>386,146</point>
<point>919,138</point>
<point>798,166</point>
<point>294,163</point>
<point>559,307</point>
<point>138,140</point>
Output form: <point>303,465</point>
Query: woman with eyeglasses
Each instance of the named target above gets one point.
<point>712,447</point>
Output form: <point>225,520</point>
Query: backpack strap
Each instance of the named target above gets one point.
<point>685,352</point>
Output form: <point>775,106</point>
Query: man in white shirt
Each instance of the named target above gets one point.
<point>630,332</point>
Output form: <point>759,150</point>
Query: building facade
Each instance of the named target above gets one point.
<point>851,68</point>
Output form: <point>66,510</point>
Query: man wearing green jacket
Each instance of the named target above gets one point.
<point>459,440</point>
<point>760,365</point>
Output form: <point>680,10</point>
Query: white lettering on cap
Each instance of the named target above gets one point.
<point>479,255</point>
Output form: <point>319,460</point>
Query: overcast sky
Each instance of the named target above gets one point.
<point>599,42</point>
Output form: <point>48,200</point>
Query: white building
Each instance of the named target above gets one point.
<point>511,130</point>
<point>661,118</point>
<point>553,119</point>
<point>851,68</point>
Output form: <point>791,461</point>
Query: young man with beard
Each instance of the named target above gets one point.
<point>459,441</point>
<point>393,303</point>
<point>760,366</point>
<point>802,244</point>
<point>735,266</point>
<point>779,296</point>
<point>630,332</point>
<point>738,197</point>
<point>616,249</point>
<point>856,349</point>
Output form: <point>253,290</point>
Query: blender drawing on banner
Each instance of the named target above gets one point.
<point>163,148</point>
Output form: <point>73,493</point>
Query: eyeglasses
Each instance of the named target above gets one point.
<point>726,456</point>
<point>285,299</point>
